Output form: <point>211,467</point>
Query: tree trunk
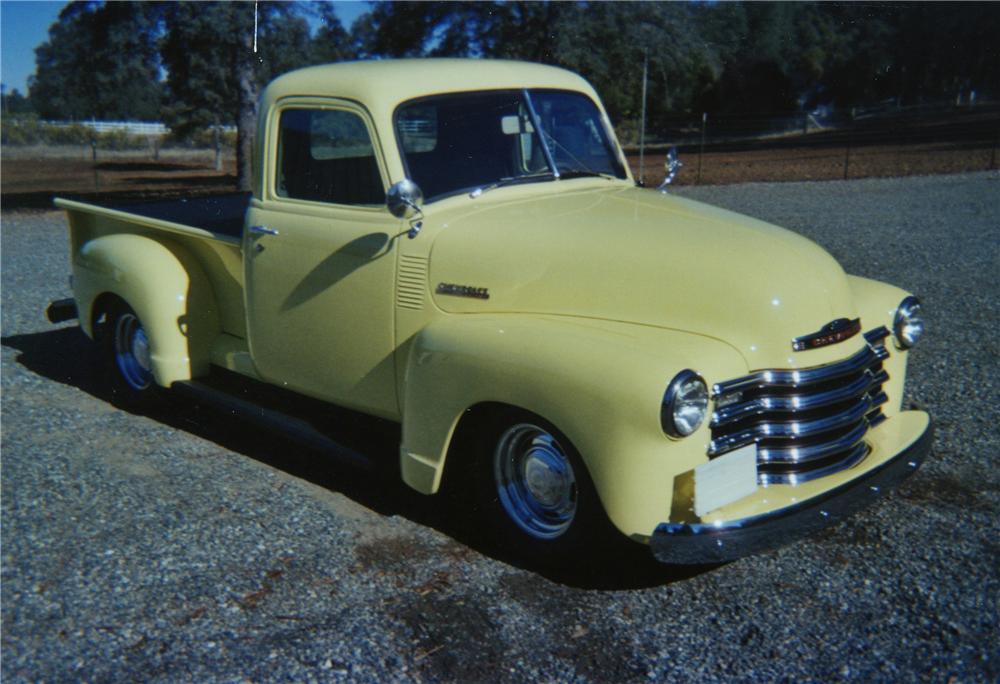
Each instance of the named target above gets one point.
<point>246,117</point>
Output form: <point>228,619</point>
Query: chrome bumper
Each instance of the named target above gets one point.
<point>689,544</point>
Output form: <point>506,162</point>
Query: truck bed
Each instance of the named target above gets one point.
<point>219,214</point>
<point>208,228</point>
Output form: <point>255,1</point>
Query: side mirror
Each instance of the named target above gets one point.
<point>405,199</point>
<point>670,168</point>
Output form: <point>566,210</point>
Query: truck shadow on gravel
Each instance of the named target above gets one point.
<point>66,356</point>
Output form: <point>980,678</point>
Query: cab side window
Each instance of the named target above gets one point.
<point>326,155</point>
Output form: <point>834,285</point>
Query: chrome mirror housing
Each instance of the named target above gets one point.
<point>671,166</point>
<point>405,199</point>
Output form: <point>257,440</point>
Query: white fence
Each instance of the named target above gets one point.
<point>132,127</point>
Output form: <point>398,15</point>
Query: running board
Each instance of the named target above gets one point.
<point>295,429</point>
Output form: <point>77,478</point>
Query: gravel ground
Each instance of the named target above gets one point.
<point>183,547</point>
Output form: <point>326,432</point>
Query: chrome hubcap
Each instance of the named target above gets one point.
<point>132,352</point>
<point>535,481</point>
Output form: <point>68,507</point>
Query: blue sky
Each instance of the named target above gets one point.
<point>25,24</point>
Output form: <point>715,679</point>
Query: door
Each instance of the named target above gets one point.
<point>320,257</point>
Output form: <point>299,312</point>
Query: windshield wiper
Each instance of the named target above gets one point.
<point>514,180</point>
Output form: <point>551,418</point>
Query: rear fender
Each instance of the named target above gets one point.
<point>165,286</point>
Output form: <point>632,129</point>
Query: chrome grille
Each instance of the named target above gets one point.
<point>806,423</point>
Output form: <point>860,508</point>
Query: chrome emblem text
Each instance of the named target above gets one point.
<point>831,333</point>
<point>463,291</point>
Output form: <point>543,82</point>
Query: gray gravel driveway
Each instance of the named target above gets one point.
<point>188,547</point>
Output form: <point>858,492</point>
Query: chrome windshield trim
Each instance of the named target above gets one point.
<point>797,402</point>
<point>537,123</point>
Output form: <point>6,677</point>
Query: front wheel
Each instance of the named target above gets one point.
<point>535,492</point>
<point>535,481</point>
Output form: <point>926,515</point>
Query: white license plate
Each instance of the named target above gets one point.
<point>725,479</point>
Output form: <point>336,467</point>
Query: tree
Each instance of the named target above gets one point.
<point>15,103</point>
<point>216,64</point>
<point>331,42</point>
<point>100,61</point>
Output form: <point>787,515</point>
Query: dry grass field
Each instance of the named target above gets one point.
<point>31,177</point>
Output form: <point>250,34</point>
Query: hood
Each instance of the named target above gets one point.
<point>642,257</point>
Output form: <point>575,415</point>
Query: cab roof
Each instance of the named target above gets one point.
<point>383,84</point>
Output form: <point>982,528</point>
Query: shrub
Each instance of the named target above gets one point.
<point>203,138</point>
<point>121,140</point>
<point>73,134</point>
<point>20,130</point>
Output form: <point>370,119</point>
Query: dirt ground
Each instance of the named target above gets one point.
<point>827,163</point>
<point>31,177</point>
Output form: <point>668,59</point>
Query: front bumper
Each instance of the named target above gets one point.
<point>697,543</point>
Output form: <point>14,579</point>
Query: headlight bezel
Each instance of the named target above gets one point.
<point>908,324</point>
<point>684,388</point>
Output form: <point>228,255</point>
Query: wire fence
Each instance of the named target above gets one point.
<point>826,144</point>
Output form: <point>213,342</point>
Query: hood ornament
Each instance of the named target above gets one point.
<point>831,333</point>
<point>671,165</point>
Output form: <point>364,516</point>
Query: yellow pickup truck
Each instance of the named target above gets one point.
<point>458,246</point>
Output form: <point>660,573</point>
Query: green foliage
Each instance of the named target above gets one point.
<point>204,46</point>
<point>74,134</point>
<point>204,138</point>
<point>28,130</point>
<point>106,60</point>
<point>16,104</point>
<point>100,61</point>
<point>218,55</point>
<point>121,140</point>
<point>20,130</point>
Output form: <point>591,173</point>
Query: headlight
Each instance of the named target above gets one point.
<point>908,324</point>
<point>685,404</point>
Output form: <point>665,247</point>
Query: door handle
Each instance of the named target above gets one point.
<point>263,230</point>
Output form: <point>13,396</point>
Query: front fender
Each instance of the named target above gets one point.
<point>600,383</point>
<point>165,286</point>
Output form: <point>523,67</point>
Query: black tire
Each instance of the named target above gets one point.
<point>125,352</point>
<point>534,494</point>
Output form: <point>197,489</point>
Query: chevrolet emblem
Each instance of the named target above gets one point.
<point>831,333</point>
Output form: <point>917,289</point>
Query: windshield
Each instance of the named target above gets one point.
<point>461,142</point>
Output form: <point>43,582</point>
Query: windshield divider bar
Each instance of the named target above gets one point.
<point>541,133</point>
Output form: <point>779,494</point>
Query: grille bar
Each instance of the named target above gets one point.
<point>798,402</point>
<point>794,378</point>
<point>792,429</point>
<point>806,423</point>
<point>798,454</point>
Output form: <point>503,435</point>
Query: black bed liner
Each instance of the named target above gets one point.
<point>221,214</point>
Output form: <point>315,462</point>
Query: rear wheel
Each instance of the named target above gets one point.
<point>127,356</point>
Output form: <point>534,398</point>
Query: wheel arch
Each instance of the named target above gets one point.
<point>599,384</point>
<point>165,286</point>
